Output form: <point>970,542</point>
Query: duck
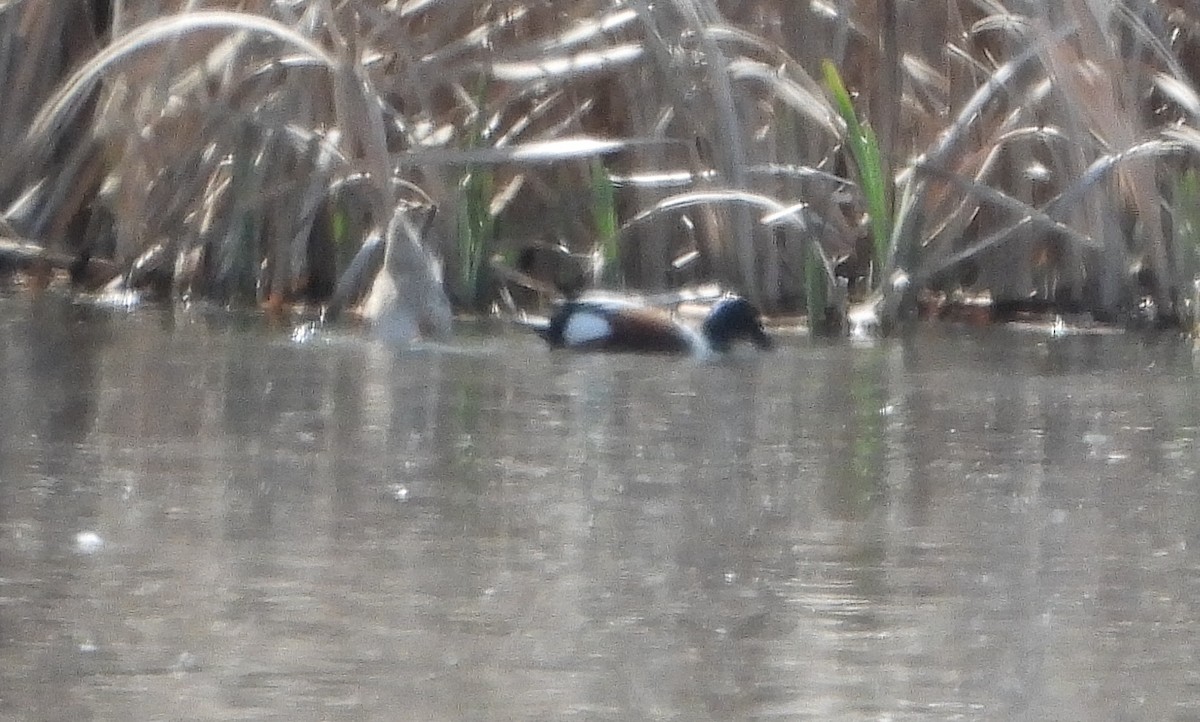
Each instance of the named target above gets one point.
<point>619,324</point>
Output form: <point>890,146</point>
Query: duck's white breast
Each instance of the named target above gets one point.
<point>584,327</point>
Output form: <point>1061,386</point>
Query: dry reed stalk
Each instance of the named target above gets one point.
<point>1029,141</point>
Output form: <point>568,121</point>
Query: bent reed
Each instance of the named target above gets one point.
<point>854,160</point>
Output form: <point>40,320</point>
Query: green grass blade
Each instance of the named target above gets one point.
<point>475,229</point>
<point>604,217</point>
<point>816,289</point>
<point>876,187</point>
<point>1187,244</point>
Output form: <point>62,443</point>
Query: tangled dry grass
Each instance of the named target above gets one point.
<point>286,149</point>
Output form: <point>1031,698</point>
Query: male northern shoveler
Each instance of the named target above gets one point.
<point>619,324</point>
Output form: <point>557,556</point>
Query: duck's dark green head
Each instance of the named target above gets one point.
<point>733,319</point>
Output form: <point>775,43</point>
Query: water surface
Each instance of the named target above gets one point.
<point>203,518</point>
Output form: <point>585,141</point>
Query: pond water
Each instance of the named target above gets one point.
<point>204,518</point>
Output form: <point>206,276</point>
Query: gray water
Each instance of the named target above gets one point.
<point>204,518</point>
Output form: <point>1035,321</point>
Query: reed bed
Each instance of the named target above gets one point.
<point>855,160</point>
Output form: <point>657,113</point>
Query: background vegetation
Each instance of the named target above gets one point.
<point>1040,154</point>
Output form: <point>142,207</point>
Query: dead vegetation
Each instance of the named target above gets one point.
<point>1041,155</point>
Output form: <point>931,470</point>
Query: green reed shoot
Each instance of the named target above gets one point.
<point>476,226</point>
<point>1186,207</point>
<point>604,218</point>
<point>339,226</point>
<point>872,177</point>
<point>816,289</point>
<point>476,222</point>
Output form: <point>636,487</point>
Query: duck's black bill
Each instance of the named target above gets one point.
<point>761,340</point>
